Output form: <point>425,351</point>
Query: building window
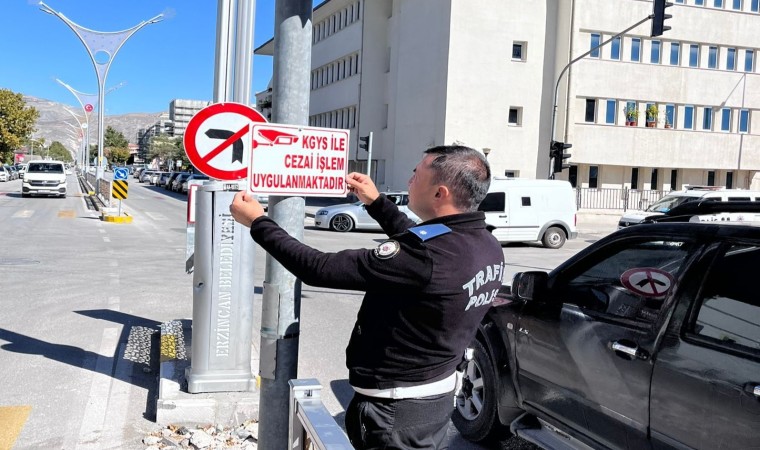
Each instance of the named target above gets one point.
<point>655,55</point>
<point>515,116</point>
<point>744,121</point>
<point>688,117</point>
<point>670,116</point>
<point>711,178</point>
<point>519,51</point>
<point>635,178</point>
<point>653,180</point>
<point>731,59</point>
<point>636,49</point>
<point>680,1</point>
<point>699,2</point>
<point>738,5</point>
<point>718,3</point>
<point>615,50</point>
<point>694,55</point>
<point>590,110</point>
<point>729,180</point>
<point>707,119</point>
<point>749,60</point>
<point>594,43</point>
<point>675,53</point>
<point>712,58</point>
<point>673,179</point>
<point>512,173</point>
<point>572,176</point>
<point>755,6</point>
<point>593,176</point>
<point>611,111</point>
<point>725,119</point>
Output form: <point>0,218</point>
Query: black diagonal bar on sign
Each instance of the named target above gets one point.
<point>230,138</point>
<point>119,189</point>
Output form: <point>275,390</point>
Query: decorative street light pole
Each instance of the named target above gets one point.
<point>102,47</point>
<point>86,101</point>
<point>82,132</point>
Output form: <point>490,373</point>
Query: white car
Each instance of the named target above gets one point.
<point>354,216</point>
<point>44,178</point>
<point>5,175</point>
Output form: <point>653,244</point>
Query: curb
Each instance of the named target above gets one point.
<point>116,219</point>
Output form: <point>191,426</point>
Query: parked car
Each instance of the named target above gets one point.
<point>177,183</point>
<point>21,169</point>
<point>12,172</point>
<point>689,194</point>
<point>145,175</point>
<point>354,216</point>
<point>649,338</point>
<point>44,177</point>
<point>5,174</point>
<point>172,176</point>
<point>192,177</point>
<point>162,178</point>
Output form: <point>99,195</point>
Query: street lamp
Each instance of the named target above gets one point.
<point>102,47</point>
<point>86,101</point>
<point>31,145</point>
<point>486,151</point>
<point>82,131</point>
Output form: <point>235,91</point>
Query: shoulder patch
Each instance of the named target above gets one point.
<point>387,250</point>
<point>427,232</point>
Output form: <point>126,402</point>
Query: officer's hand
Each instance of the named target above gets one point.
<point>245,208</point>
<point>362,186</point>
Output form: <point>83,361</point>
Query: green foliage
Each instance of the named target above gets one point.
<point>16,123</point>
<point>118,156</point>
<point>59,152</point>
<point>165,148</point>
<point>652,112</point>
<point>114,139</point>
<point>631,112</point>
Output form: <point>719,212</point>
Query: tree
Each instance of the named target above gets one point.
<point>16,123</point>
<point>114,139</point>
<point>59,152</point>
<point>163,148</point>
<point>118,156</point>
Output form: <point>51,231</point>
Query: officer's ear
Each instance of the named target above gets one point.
<point>442,192</point>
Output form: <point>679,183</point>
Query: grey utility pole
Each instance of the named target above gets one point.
<point>280,328</point>
<point>102,47</point>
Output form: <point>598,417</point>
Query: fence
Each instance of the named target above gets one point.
<point>311,425</point>
<point>102,189</point>
<point>610,198</point>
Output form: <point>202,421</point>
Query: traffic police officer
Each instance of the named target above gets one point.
<point>427,289</point>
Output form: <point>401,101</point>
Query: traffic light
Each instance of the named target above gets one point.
<point>364,143</point>
<point>659,16</point>
<point>558,153</point>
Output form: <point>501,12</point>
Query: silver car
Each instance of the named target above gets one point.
<point>354,216</point>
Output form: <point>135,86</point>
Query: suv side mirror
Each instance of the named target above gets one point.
<point>527,286</point>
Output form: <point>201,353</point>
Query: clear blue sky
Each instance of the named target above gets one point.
<point>163,61</point>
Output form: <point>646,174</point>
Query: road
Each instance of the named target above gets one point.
<point>81,299</point>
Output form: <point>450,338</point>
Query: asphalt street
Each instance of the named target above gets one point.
<point>82,299</point>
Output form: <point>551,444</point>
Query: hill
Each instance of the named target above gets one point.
<point>55,123</point>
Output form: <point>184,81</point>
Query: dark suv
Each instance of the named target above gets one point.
<point>650,338</point>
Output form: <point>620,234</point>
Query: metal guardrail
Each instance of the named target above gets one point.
<point>611,198</point>
<point>310,424</point>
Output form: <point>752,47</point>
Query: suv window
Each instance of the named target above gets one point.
<point>45,168</point>
<point>632,282</point>
<point>729,311</point>
<point>495,201</point>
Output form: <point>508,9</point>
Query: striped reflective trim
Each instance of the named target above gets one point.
<point>119,189</point>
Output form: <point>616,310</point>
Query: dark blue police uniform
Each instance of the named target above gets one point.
<point>427,289</point>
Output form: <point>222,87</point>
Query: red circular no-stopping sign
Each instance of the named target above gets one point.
<point>218,140</point>
<point>647,281</point>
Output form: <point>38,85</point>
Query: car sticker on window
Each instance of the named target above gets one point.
<point>647,281</point>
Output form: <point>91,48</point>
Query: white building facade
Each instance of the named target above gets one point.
<point>182,110</point>
<point>419,73</point>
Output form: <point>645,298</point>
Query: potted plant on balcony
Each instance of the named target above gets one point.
<point>652,113</point>
<point>667,123</point>
<point>631,115</point>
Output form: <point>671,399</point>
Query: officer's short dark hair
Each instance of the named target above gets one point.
<point>464,171</point>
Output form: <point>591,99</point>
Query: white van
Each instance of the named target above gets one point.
<point>44,178</point>
<point>522,210</point>
<point>689,194</point>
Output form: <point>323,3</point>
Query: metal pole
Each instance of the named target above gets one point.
<point>564,70</point>
<point>369,155</point>
<point>105,45</point>
<point>244,51</point>
<point>224,35</point>
<point>280,328</point>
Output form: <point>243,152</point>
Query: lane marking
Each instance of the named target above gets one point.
<point>106,239</point>
<point>12,419</point>
<point>118,400</point>
<point>67,213</point>
<point>156,216</point>
<point>23,214</point>
<point>97,402</point>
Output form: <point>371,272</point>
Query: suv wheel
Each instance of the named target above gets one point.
<point>554,238</point>
<point>342,223</point>
<point>475,414</point>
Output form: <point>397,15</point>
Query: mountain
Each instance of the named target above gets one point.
<point>52,123</point>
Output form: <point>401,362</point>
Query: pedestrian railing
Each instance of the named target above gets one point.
<point>311,425</point>
<point>612,198</point>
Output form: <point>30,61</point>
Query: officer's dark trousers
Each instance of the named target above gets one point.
<point>415,423</point>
